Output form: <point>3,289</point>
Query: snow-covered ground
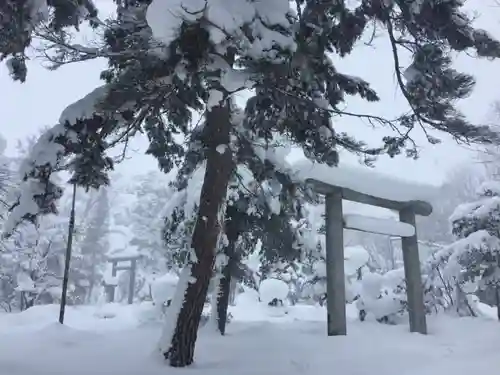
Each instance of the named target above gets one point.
<point>115,339</point>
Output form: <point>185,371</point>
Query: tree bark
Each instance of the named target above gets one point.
<point>219,166</point>
<point>225,289</point>
<point>234,224</point>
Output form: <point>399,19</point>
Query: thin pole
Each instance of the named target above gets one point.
<point>71,228</point>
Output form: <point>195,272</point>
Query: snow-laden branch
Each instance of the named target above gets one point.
<point>75,134</point>
<point>261,28</point>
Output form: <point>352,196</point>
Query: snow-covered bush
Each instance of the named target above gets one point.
<point>355,260</point>
<point>163,290</point>
<point>274,292</point>
<point>381,297</point>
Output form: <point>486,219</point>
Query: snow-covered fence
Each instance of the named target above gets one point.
<point>366,187</point>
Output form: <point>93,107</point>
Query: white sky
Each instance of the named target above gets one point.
<point>27,107</point>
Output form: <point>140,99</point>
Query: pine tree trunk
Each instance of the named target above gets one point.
<point>225,289</point>
<point>219,166</point>
<point>234,224</point>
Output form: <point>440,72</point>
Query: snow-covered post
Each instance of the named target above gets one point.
<point>414,287</point>
<point>112,290</point>
<point>131,284</point>
<point>335,275</point>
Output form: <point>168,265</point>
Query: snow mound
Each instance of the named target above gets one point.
<point>372,284</point>
<point>355,257</point>
<point>163,288</point>
<point>271,289</point>
<point>459,346</point>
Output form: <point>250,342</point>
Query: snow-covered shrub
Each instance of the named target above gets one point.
<point>290,274</point>
<point>383,296</point>
<point>355,260</point>
<point>274,292</point>
<point>163,290</point>
<point>380,297</point>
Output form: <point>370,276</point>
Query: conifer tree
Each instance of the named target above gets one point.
<point>21,20</point>
<point>261,201</point>
<point>475,256</point>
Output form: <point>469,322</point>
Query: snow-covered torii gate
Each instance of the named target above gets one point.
<point>367,187</point>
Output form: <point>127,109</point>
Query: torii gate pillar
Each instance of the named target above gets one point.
<point>336,302</point>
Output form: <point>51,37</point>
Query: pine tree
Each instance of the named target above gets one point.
<point>261,202</point>
<point>20,20</point>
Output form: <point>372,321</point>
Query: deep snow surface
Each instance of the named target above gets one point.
<point>114,339</point>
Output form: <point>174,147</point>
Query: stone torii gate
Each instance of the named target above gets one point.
<point>336,222</point>
<point>117,265</point>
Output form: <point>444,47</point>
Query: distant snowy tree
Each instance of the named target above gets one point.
<point>6,181</point>
<point>35,256</point>
<point>459,186</point>
<point>89,258</point>
<point>475,256</point>
<point>7,265</point>
<point>146,220</point>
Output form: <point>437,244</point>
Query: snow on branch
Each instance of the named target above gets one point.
<point>480,212</point>
<point>489,189</point>
<point>84,108</point>
<point>37,192</point>
<point>77,133</point>
<point>479,241</point>
<point>268,22</point>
